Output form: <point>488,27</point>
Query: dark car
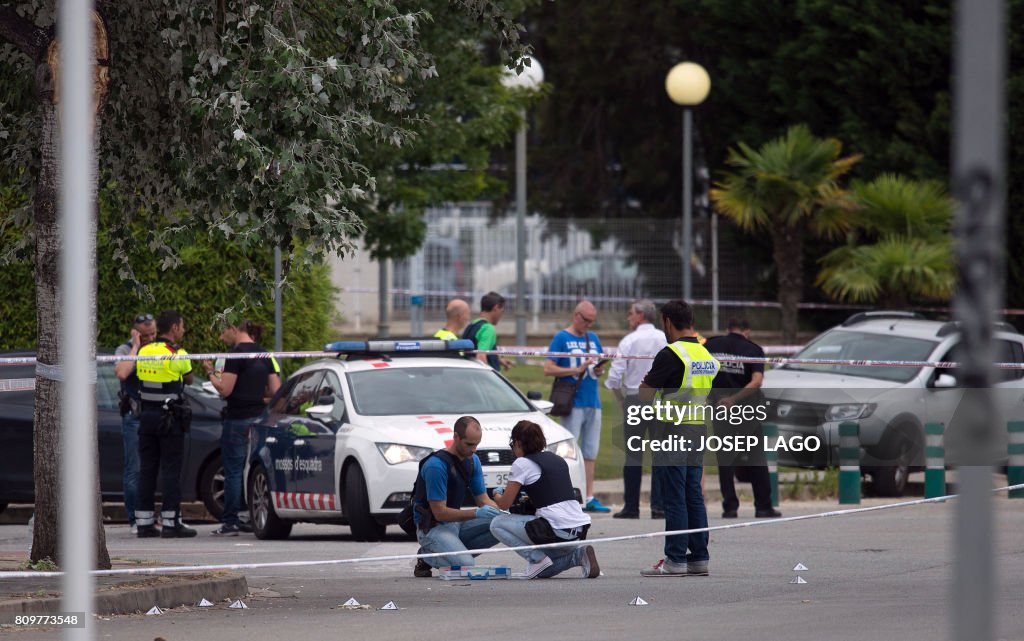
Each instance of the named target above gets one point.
<point>202,476</point>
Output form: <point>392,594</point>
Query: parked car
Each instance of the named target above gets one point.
<point>891,404</point>
<point>202,476</point>
<point>593,276</point>
<point>342,440</point>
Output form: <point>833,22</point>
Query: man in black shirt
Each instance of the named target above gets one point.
<point>247,384</point>
<point>739,384</point>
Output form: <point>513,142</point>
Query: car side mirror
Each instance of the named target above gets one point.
<point>534,395</point>
<point>543,406</point>
<point>321,413</point>
<point>944,381</point>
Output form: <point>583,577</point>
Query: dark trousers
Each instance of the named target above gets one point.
<point>159,454</point>
<point>632,470</point>
<point>754,464</point>
<point>683,499</point>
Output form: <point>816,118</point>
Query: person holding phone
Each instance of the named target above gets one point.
<point>585,420</point>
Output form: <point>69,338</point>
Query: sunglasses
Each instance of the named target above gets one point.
<point>588,321</point>
<point>143,318</point>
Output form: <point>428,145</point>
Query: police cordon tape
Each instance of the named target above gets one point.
<point>481,551</point>
<point>527,352</point>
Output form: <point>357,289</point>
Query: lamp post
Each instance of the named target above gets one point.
<point>688,85</point>
<point>529,80</point>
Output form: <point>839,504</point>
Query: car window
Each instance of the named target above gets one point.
<point>332,386</point>
<point>1004,352</point>
<point>107,387</point>
<point>302,394</point>
<point>845,345</point>
<point>433,390</point>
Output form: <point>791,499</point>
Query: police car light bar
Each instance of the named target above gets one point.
<point>433,345</point>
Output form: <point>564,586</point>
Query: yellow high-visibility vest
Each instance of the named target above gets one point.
<point>700,368</point>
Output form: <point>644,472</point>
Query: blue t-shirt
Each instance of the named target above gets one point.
<point>565,341</point>
<point>435,477</point>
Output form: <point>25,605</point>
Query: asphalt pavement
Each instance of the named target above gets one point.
<point>880,575</point>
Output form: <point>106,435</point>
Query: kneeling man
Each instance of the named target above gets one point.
<point>445,480</point>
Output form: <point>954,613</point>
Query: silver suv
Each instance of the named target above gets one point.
<point>891,404</point>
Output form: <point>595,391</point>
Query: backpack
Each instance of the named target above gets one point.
<point>405,517</point>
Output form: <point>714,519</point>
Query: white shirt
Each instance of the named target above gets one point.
<point>565,515</point>
<point>628,373</point>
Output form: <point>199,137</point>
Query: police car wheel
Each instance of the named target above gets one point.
<point>265,522</point>
<point>890,478</point>
<point>357,507</point>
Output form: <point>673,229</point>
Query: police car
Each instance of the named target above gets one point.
<point>342,440</point>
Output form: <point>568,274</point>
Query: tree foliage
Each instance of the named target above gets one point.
<point>789,187</point>
<point>902,249</point>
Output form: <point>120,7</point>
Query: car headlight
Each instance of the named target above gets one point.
<point>849,411</point>
<point>395,453</point>
<point>565,449</point>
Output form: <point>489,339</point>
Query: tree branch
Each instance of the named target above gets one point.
<point>23,34</point>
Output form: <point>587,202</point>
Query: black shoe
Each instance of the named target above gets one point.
<point>179,531</point>
<point>422,570</point>
<point>147,532</point>
<point>227,530</point>
<point>245,528</point>
<point>657,514</point>
<point>729,514</point>
<point>767,514</point>
<point>626,514</point>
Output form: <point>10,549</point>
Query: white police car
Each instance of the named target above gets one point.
<point>342,440</point>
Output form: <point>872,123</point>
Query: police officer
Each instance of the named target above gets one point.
<point>736,385</point>
<point>680,381</point>
<point>142,334</point>
<point>162,426</point>
<point>456,317</point>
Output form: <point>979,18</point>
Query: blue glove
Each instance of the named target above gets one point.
<point>487,512</point>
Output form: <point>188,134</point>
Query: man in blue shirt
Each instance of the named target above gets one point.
<point>585,420</point>
<point>447,480</point>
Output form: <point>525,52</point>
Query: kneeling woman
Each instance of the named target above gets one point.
<point>545,477</point>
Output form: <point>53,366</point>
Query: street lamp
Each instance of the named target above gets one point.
<point>529,80</point>
<point>688,85</point>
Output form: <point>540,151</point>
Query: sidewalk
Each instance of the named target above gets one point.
<point>119,594</point>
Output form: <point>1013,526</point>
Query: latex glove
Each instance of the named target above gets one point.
<point>487,512</point>
<point>498,491</point>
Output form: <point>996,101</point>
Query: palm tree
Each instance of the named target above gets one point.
<point>790,188</point>
<point>908,223</point>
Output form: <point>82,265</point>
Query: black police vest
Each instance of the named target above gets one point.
<point>458,482</point>
<point>130,385</point>
<point>554,484</point>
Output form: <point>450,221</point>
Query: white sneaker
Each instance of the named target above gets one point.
<point>133,529</point>
<point>534,569</point>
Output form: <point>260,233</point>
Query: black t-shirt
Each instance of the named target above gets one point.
<point>668,370</point>
<point>246,400</point>
<point>735,375</point>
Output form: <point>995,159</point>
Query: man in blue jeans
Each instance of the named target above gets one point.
<point>143,332</point>
<point>447,478</point>
<point>680,381</point>
<point>247,384</point>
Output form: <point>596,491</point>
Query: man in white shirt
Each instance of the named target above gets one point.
<point>624,380</point>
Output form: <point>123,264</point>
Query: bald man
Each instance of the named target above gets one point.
<point>456,317</point>
<point>583,371</point>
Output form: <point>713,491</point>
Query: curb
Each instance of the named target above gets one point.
<point>141,599</point>
<point>20,513</point>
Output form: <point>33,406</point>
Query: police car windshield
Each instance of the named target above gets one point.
<point>844,345</point>
<point>432,390</point>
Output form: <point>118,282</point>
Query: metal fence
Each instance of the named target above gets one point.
<point>470,251</point>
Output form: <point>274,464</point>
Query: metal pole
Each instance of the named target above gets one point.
<point>277,301</point>
<point>687,203</point>
<point>78,320</point>
<point>521,232</point>
<point>383,292</point>
<point>979,184</point>
<point>714,272</point>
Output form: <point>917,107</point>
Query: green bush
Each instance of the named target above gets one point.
<point>203,286</point>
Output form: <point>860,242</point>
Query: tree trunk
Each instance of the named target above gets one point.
<point>788,252</point>
<point>47,448</point>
